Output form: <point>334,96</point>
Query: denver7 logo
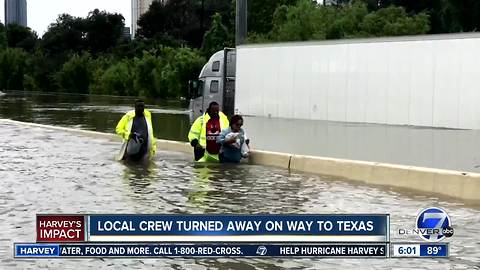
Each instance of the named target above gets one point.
<point>432,222</point>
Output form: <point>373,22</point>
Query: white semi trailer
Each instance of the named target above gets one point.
<point>431,80</point>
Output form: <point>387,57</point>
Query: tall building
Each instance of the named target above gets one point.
<point>16,12</point>
<point>126,33</point>
<point>139,7</point>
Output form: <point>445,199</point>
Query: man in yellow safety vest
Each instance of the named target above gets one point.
<point>136,130</point>
<point>204,132</point>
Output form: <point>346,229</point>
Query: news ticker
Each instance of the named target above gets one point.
<point>87,236</point>
<point>213,228</point>
<point>324,250</point>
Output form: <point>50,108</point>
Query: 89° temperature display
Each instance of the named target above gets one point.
<point>419,250</point>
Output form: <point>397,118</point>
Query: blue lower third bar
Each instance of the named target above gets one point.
<point>434,250</point>
<point>36,250</point>
<point>200,250</point>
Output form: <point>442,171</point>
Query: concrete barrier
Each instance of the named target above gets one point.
<point>460,185</point>
<point>174,146</point>
<point>94,134</point>
<point>161,144</point>
<point>267,158</point>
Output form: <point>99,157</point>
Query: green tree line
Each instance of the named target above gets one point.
<point>175,38</point>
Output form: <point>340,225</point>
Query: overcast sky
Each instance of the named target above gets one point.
<point>41,13</point>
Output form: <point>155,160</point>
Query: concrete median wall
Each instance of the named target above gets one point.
<point>455,184</point>
<point>460,185</point>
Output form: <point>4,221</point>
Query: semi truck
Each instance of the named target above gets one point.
<point>424,80</point>
<point>216,82</point>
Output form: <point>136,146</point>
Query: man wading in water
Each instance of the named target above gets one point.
<point>136,130</point>
<point>204,132</point>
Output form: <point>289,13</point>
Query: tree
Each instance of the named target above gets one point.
<point>178,66</point>
<point>445,16</point>
<point>76,74</point>
<point>216,38</point>
<point>226,8</point>
<point>260,14</point>
<point>308,21</point>
<point>3,37</point>
<point>97,33</point>
<point>347,22</point>
<point>456,16</point>
<point>185,20</point>
<point>173,19</point>
<point>164,73</point>
<point>12,69</point>
<point>303,21</point>
<point>116,80</point>
<point>394,21</point>
<point>87,55</point>
<point>136,47</point>
<point>65,36</point>
<point>144,72</point>
<point>21,37</point>
<point>103,30</point>
<point>40,70</point>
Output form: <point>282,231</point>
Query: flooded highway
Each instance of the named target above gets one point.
<point>51,171</point>
<point>452,149</point>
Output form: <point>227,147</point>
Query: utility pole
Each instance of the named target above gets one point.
<point>241,22</point>
<point>202,17</point>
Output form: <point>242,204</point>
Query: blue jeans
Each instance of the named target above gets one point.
<point>224,159</point>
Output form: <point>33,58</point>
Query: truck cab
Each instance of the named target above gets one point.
<point>216,82</point>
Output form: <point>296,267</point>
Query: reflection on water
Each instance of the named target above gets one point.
<point>139,176</point>
<point>425,147</point>
<point>100,113</point>
<point>51,171</point>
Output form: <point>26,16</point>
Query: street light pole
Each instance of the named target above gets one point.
<point>241,22</point>
<point>202,16</point>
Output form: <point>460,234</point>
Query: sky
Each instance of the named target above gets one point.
<point>41,13</point>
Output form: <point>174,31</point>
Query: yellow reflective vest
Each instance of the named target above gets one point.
<point>124,128</point>
<point>199,131</point>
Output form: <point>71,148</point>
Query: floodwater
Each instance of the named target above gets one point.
<point>99,113</point>
<point>51,171</point>
<point>452,149</point>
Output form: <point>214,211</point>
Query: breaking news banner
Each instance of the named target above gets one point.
<point>213,228</point>
<point>199,250</point>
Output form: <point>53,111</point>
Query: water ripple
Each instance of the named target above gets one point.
<point>45,171</point>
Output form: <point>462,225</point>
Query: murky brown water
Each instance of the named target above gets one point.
<point>100,113</point>
<point>451,149</point>
<point>49,171</point>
